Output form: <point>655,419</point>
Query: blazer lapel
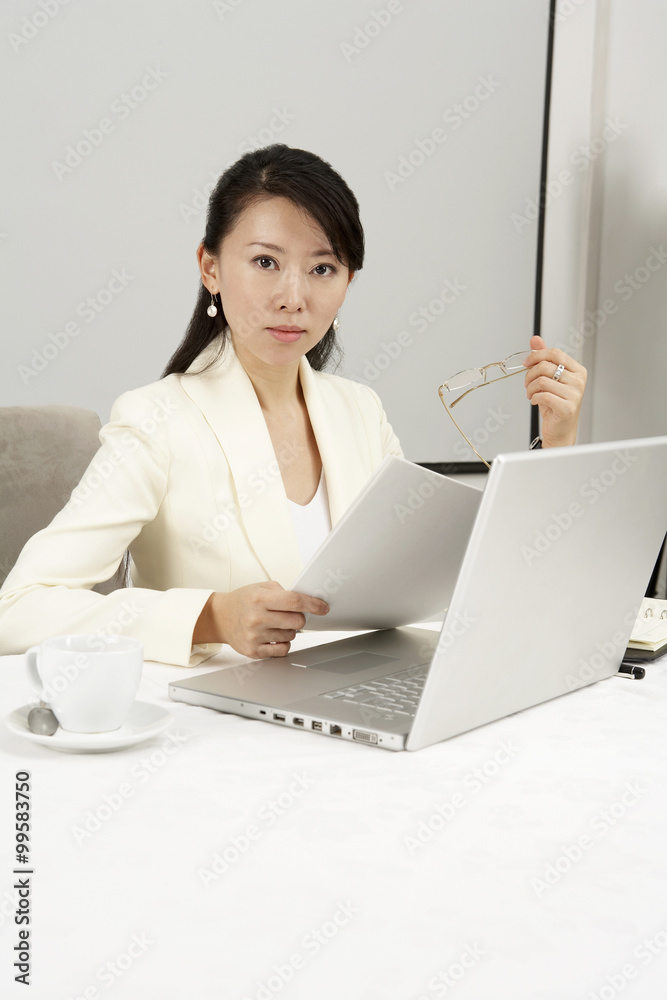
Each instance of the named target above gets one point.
<point>332,416</point>
<point>227,399</point>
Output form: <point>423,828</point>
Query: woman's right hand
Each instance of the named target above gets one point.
<point>258,620</point>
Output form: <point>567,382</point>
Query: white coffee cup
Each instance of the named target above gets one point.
<point>89,681</point>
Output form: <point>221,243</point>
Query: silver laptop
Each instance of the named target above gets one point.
<point>556,565</point>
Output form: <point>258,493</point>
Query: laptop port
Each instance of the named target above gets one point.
<point>278,718</point>
<point>317,726</point>
<point>361,734</point>
<point>297,722</point>
<point>334,730</point>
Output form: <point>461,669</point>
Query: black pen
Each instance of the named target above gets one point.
<point>632,671</point>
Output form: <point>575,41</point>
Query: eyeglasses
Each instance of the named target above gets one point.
<point>474,378</point>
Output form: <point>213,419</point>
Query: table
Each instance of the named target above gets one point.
<point>228,858</point>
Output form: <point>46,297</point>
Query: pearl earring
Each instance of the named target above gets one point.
<point>212,309</point>
<point>335,324</point>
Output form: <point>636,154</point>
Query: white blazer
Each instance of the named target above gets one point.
<point>186,477</point>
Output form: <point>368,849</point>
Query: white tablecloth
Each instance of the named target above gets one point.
<point>227,858</point>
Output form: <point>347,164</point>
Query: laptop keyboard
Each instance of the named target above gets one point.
<point>392,696</point>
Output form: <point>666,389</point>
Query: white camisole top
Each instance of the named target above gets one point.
<point>312,521</point>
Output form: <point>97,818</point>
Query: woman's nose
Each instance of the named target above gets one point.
<point>291,291</point>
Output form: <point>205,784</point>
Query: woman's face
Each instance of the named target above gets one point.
<point>276,269</point>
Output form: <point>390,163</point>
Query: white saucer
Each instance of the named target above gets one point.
<point>143,721</point>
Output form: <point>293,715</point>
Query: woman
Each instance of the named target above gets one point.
<point>224,476</point>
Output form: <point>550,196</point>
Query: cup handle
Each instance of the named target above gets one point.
<point>33,674</point>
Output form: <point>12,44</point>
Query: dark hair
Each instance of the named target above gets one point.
<point>274,171</point>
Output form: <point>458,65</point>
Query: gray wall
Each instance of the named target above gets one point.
<point>98,246</point>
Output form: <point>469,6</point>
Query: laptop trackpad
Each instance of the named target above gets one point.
<point>348,663</point>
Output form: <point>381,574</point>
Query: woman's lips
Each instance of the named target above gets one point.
<point>285,336</point>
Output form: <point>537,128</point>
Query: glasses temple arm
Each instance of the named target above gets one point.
<point>451,415</point>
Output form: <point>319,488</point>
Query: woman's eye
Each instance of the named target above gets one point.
<point>322,270</point>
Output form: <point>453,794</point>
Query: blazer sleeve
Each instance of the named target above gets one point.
<point>48,591</point>
<point>389,442</point>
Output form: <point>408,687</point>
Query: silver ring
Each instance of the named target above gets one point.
<point>559,371</point>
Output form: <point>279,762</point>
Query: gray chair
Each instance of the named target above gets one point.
<point>44,451</point>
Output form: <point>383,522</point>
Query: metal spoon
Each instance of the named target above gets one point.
<point>41,720</point>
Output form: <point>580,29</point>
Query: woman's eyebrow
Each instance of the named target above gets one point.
<point>272,246</point>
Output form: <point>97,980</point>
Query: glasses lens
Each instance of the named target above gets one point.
<point>515,361</point>
<point>464,379</point>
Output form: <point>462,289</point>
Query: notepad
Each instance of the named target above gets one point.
<point>650,629</point>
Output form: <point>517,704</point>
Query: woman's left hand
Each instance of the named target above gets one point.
<point>560,399</point>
